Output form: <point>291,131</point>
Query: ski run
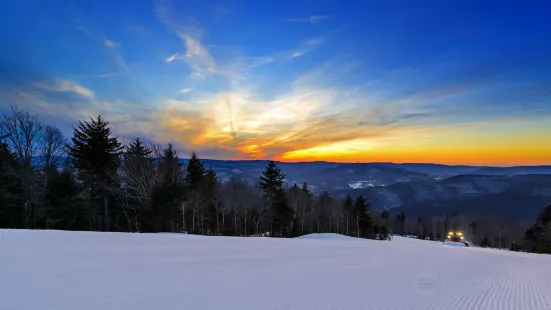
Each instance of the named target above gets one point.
<point>58,270</point>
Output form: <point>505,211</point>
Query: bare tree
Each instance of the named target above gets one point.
<point>259,207</point>
<point>232,196</point>
<point>52,146</point>
<point>24,131</point>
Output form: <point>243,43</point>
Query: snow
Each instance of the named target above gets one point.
<point>361,184</point>
<point>451,243</point>
<point>88,270</point>
<point>328,236</point>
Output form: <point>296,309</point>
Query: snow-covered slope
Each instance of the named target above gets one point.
<point>108,271</point>
<point>328,236</point>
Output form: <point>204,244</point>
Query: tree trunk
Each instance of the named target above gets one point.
<point>183,216</point>
<point>106,213</point>
<point>218,222</point>
<point>358,227</point>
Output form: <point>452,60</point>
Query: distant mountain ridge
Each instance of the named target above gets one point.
<point>429,189</point>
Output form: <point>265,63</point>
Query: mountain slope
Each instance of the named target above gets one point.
<point>518,196</point>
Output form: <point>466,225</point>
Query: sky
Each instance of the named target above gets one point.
<point>452,82</point>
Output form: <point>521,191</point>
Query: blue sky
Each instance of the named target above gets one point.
<point>337,80</point>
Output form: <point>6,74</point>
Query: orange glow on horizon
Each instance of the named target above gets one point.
<point>510,142</point>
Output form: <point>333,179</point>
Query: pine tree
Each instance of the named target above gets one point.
<point>271,182</point>
<point>94,150</point>
<point>95,153</point>
<point>195,172</point>
<point>165,213</point>
<point>384,227</point>
<point>64,205</point>
<point>538,237</point>
<point>385,216</point>
<point>364,221</point>
<point>136,149</point>
<point>304,188</point>
<point>171,167</point>
<point>11,190</point>
<point>196,181</point>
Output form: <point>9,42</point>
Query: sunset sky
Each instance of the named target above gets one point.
<point>454,82</point>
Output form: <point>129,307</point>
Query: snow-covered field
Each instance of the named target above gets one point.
<point>114,271</point>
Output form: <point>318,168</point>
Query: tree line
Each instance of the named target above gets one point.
<point>92,181</point>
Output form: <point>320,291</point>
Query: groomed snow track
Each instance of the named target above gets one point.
<point>58,270</point>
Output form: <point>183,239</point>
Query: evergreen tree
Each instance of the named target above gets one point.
<point>400,220</point>
<point>364,221</point>
<point>385,216</point>
<point>170,165</point>
<point>95,153</point>
<point>165,213</point>
<point>195,172</point>
<point>196,183</point>
<point>538,237</point>
<point>271,182</point>
<point>64,204</point>
<point>281,214</point>
<point>304,188</point>
<point>11,190</point>
<point>384,231</point>
<point>138,150</point>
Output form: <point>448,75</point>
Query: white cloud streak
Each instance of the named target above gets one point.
<point>64,86</point>
<point>307,46</point>
<point>110,43</point>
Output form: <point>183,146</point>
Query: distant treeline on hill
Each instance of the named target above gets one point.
<point>94,182</point>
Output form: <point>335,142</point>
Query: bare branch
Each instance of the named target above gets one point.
<point>23,134</point>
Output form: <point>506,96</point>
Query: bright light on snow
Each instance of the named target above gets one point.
<point>115,271</point>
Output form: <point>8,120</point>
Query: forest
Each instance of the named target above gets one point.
<point>93,181</point>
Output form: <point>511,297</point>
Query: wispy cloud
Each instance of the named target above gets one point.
<point>111,44</point>
<point>68,102</point>
<point>64,86</point>
<point>311,19</point>
<point>173,57</point>
<point>307,46</point>
<point>99,76</point>
<point>185,90</point>
<point>85,26</point>
<point>197,55</point>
